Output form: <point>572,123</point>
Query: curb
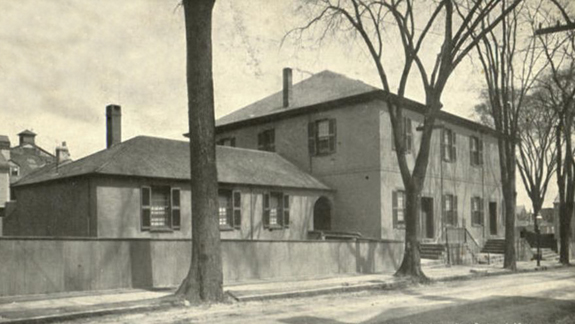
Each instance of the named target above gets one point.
<point>172,303</point>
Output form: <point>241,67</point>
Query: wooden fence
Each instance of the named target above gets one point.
<point>47,265</point>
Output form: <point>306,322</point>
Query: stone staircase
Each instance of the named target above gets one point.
<point>492,252</point>
<point>546,254</point>
<point>432,251</point>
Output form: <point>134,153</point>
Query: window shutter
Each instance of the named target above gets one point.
<point>454,146</point>
<point>471,152</point>
<point>332,135</point>
<point>394,203</point>
<point>146,211</point>
<point>266,210</point>
<point>237,203</point>
<point>176,215</point>
<point>311,138</point>
<point>442,139</point>
<point>480,149</point>
<point>481,217</point>
<point>455,210</point>
<point>286,211</point>
<point>272,140</point>
<point>444,209</point>
<point>260,141</point>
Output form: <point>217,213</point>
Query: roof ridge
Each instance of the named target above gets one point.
<point>121,147</point>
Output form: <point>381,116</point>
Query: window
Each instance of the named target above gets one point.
<point>476,211</point>
<point>229,209</point>
<point>398,198</point>
<point>322,137</point>
<point>227,141</point>
<point>160,208</point>
<point>407,135</point>
<point>450,209</point>
<point>448,145</point>
<point>276,210</point>
<point>14,171</point>
<point>266,140</point>
<point>475,150</point>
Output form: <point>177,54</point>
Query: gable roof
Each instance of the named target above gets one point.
<point>27,132</point>
<point>154,157</point>
<point>326,90</point>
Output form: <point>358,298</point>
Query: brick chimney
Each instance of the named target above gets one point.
<point>288,87</point>
<point>113,125</point>
<point>62,154</point>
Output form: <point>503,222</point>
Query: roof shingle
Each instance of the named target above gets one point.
<point>153,157</point>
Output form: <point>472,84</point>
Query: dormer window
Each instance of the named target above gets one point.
<point>15,171</point>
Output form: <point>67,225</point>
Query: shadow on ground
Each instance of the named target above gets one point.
<point>504,310</point>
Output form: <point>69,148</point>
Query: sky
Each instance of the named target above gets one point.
<point>62,62</point>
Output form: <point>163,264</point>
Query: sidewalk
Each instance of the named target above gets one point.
<point>67,306</point>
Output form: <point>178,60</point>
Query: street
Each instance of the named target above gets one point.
<point>530,298</point>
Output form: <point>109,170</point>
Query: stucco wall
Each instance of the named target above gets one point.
<point>458,178</point>
<point>4,187</point>
<point>50,265</point>
<point>119,211</point>
<point>59,208</point>
<point>353,170</point>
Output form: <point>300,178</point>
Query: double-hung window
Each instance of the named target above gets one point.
<point>276,210</point>
<point>322,137</point>
<point>475,151</point>
<point>450,209</point>
<point>476,211</point>
<point>448,145</point>
<point>229,209</point>
<point>266,140</point>
<point>398,201</point>
<point>407,136</point>
<point>160,208</point>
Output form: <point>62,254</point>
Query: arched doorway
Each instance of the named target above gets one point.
<point>322,215</point>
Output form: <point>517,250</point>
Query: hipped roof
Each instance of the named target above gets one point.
<point>326,90</point>
<point>153,157</point>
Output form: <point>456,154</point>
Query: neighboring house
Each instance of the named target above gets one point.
<point>339,131</point>
<point>140,188</point>
<point>27,156</point>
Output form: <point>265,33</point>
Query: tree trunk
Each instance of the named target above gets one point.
<point>507,166</point>
<point>565,214</point>
<point>411,264</point>
<point>205,279</point>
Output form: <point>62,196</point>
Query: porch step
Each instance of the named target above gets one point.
<point>494,246</point>
<point>431,251</point>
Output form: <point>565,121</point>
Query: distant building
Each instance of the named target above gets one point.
<point>27,156</point>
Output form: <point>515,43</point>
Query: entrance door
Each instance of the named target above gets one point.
<point>322,215</point>
<point>427,225</point>
<point>493,218</point>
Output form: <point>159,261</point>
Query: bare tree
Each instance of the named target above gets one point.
<point>559,89</point>
<point>511,64</point>
<point>537,150</point>
<point>367,19</point>
<point>204,282</point>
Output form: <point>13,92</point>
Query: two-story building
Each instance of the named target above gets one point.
<point>339,131</point>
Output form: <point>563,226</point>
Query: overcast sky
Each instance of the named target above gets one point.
<point>62,62</point>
